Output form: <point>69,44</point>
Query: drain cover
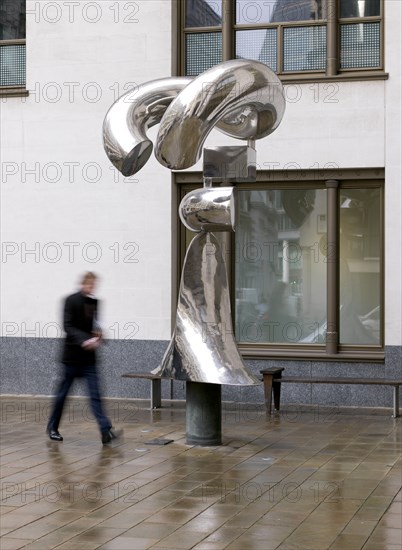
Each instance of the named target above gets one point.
<point>158,441</point>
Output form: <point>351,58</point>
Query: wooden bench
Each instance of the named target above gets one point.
<point>156,386</point>
<point>273,380</point>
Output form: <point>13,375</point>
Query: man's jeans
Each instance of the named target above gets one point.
<point>70,373</point>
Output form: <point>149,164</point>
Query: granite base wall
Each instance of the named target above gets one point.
<point>30,366</point>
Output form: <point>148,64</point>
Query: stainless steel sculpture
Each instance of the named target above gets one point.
<point>203,348</point>
<point>243,99</point>
<point>128,119</point>
<point>209,209</point>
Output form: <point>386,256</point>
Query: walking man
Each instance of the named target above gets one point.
<point>83,337</point>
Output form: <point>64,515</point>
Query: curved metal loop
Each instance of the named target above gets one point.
<point>243,98</point>
<point>128,119</point>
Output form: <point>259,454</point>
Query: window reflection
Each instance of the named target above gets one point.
<point>280,266</point>
<point>360,233</point>
<point>203,13</point>
<point>260,44</point>
<point>304,48</point>
<point>203,51</point>
<point>279,11</point>
<point>360,45</point>
<point>12,19</point>
<point>359,8</point>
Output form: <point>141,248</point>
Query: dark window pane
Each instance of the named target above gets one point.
<point>203,13</point>
<point>280,271</point>
<point>360,253</point>
<point>259,45</point>
<point>203,51</point>
<point>360,45</point>
<point>304,48</point>
<point>12,19</point>
<point>272,11</point>
<point>12,65</point>
<point>359,8</point>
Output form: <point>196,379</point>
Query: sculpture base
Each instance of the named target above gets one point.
<point>203,414</point>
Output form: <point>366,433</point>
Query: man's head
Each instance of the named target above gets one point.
<point>88,283</point>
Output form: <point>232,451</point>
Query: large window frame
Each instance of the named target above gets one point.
<point>333,25</point>
<point>333,181</point>
<point>20,58</point>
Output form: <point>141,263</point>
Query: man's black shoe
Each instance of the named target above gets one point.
<point>55,435</point>
<point>110,434</point>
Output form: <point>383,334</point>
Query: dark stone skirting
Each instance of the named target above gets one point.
<point>30,366</point>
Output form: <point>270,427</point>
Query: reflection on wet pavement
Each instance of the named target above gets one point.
<point>306,479</point>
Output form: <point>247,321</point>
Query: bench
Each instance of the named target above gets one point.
<point>156,387</point>
<point>273,380</point>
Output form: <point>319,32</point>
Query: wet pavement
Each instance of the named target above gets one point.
<point>307,478</point>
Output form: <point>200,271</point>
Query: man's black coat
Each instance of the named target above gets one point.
<point>79,318</point>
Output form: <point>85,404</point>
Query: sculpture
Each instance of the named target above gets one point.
<point>243,99</point>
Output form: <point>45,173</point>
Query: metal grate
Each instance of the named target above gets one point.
<point>360,45</point>
<point>203,51</point>
<point>12,65</point>
<point>304,48</point>
<point>260,45</point>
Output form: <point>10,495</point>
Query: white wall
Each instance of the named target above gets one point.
<point>345,124</point>
<point>335,124</point>
<point>75,68</point>
<point>393,175</point>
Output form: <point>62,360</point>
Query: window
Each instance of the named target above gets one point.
<point>12,45</point>
<point>203,37</point>
<point>280,268</point>
<point>307,265</point>
<point>298,39</point>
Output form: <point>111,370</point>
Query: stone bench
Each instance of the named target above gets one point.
<point>273,380</point>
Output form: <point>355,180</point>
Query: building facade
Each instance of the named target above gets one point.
<point>315,261</point>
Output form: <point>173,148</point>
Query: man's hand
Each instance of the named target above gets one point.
<point>92,343</point>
